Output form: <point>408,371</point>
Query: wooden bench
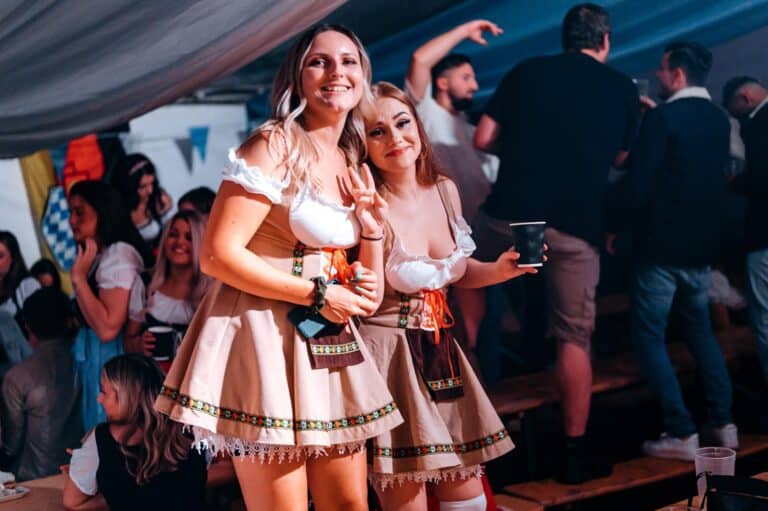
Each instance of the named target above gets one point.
<point>626,475</point>
<point>510,503</point>
<point>514,396</point>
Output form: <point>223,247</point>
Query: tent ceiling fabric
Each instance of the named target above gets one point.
<point>71,67</point>
<point>641,29</point>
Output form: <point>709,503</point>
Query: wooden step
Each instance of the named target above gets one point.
<point>626,475</point>
<point>516,395</point>
<point>510,503</point>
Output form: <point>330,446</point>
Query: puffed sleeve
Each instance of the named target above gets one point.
<point>119,267</point>
<point>26,287</point>
<point>84,464</point>
<point>254,180</point>
<point>137,301</point>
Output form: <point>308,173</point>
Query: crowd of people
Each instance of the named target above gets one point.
<point>359,243</point>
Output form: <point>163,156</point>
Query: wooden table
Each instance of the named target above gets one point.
<point>762,476</point>
<point>44,495</point>
<point>47,494</point>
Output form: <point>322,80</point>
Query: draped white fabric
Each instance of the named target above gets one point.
<point>70,67</point>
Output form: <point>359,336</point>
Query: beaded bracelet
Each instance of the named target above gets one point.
<point>318,296</point>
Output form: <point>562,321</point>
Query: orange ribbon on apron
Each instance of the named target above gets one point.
<point>338,264</point>
<point>436,313</point>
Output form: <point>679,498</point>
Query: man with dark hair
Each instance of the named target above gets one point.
<point>675,193</point>
<point>746,99</point>
<point>442,86</point>
<point>200,200</point>
<point>559,123</point>
<point>41,402</point>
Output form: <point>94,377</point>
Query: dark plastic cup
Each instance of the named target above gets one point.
<point>165,341</point>
<point>529,242</point>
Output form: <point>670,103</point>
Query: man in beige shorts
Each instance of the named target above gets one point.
<point>557,139</point>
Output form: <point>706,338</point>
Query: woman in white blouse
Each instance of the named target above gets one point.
<point>110,256</point>
<point>450,424</point>
<point>15,287</point>
<point>272,366</point>
<point>176,286</point>
<point>15,282</point>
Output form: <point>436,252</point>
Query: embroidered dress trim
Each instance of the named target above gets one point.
<point>385,481</point>
<point>265,453</point>
<point>446,383</point>
<point>426,450</point>
<point>275,422</point>
<point>334,349</point>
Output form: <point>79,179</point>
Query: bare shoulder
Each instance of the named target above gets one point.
<point>453,193</point>
<point>265,149</point>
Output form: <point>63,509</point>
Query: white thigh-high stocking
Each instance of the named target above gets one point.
<point>474,504</point>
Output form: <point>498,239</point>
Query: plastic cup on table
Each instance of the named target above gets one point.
<point>718,461</point>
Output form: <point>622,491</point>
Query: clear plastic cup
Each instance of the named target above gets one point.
<point>643,86</point>
<point>719,461</point>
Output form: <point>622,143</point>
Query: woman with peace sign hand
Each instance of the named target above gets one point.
<point>272,365</point>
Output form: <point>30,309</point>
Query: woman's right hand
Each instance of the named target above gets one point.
<point>341,304</point>
<point>148,341</point>
<point>144,343</point>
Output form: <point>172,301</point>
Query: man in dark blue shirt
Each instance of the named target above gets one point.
<point>558,123</point>
<point>676,185</point>
<point>747,100</point>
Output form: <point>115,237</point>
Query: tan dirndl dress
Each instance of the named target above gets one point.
<point>439,440</point>
<point>243,380</point>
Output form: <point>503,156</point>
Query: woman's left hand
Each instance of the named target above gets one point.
<point>370,208</point>
<point>84,260</point>
<point>507,266</point>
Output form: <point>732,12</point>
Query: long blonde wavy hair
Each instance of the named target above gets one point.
<point>137,381</point>
<point>287,137</point>
<point>162,269</point>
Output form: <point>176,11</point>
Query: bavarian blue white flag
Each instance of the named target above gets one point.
<point>56,229</point>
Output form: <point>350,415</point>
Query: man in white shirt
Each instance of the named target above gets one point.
<point>442,85</point>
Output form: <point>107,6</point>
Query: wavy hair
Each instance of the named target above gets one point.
<point>114,221</point>
<point>286,135</point>
<point>428,171</point>
<point>163,265</point>
<point>18,269</point>
<point>137,380</point>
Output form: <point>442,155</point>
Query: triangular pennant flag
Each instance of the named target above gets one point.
<point>199,137</point>
<point>185,147</point>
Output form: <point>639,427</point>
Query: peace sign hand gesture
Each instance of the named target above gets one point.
<point>370,208</point>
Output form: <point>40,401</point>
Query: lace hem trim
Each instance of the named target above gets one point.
<point>384,481</point>
<point>266,453</point>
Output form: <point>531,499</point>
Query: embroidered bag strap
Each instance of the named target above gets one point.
<point>297,269</point>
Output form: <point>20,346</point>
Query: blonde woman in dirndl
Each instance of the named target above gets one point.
<point>293,409</point>
<point>450,425</point>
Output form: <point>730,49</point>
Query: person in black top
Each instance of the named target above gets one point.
<point>558,123</point>
<point>675,191</point>
<point>139,458</point>
<point>746,99</point>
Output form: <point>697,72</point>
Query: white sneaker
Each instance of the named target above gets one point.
<point>727,436</point>
<point>674,448</point>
